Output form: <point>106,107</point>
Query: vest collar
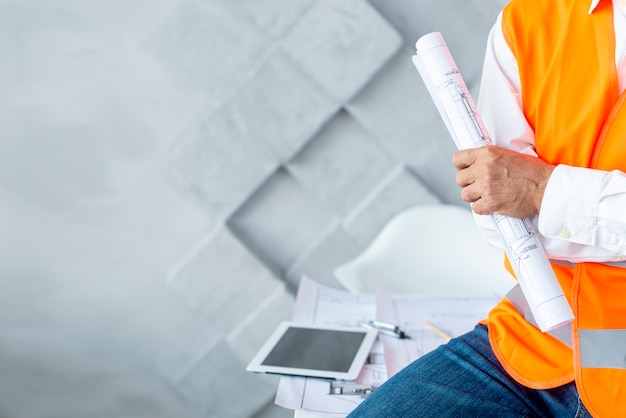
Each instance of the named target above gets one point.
<point>594,4</point>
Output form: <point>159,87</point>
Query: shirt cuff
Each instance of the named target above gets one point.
<point>570,203</point>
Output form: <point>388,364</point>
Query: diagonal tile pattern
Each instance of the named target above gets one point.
<point>284,95</point>
<point>341,44</point>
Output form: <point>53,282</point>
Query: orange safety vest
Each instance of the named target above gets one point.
<point>566,60</point>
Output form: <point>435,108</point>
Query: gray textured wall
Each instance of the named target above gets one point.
<point>170,168</point>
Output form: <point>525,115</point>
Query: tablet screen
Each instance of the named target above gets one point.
<point>314,350</point>
<point>320,349</point>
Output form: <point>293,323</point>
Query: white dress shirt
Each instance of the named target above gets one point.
<point>583,212</point>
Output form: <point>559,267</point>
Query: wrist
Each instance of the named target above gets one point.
<point>541,185</point>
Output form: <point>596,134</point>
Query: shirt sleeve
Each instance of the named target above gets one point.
<point>573,226</point>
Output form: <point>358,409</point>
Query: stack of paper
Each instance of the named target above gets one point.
<point>426,320</point>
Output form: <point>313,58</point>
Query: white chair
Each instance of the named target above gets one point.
<point>434,250</point>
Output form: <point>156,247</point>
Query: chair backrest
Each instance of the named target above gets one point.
<point>435,250</point>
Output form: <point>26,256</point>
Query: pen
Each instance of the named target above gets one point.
<point>386,328</point>
<point>384,325</point>
<point>437,331</point>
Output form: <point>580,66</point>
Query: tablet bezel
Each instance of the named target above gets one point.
<point>369,335</point>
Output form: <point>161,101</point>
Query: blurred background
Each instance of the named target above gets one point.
<point>169,170</point>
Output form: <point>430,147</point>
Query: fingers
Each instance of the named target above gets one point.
<point>463,161</point>
<point>473,177</point>
<point>469,194</point>
<point>480,208</point>
<point>464,177</point>
<point>464,158</point>
<point>480,205</point>
<point>476,163</point>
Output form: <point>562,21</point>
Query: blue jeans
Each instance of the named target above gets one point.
<point>464,379</point>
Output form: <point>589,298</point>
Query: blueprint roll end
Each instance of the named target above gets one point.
<point>554,313</point>
<point>429,41</point>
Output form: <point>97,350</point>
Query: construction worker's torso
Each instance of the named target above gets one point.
<point>570,94</point>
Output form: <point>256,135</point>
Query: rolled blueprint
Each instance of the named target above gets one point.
<point>521,242</point>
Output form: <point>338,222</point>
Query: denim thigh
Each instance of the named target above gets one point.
<point>464,379</point>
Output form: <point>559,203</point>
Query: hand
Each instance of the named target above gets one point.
<point>498,180</point>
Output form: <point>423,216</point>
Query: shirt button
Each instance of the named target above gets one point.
<point>565,234</point>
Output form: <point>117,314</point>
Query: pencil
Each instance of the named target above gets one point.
<point>437,331</point>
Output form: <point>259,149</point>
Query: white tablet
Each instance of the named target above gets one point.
<point>315,350</point>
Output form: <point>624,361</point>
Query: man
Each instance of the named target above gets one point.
<point>551,98</point>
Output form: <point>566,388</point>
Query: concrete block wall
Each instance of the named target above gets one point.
<point>171,168</point>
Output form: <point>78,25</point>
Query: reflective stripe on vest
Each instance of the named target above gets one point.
<point>603,348</point>
<point>621,264</point>
<point>599,348</point>
<point>516,297</point>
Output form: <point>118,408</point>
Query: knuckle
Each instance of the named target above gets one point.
<point>455,159</point>
<point>466,195</point>
<point>478,209</point>
<point>458,179</point>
